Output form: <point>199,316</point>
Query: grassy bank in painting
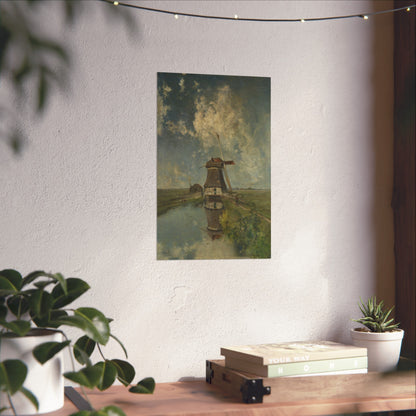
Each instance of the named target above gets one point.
<point>247,222</point>
<point>172,198</point>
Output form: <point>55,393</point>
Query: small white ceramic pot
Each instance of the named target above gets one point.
<point>383,348</point>
<point>44,381</point>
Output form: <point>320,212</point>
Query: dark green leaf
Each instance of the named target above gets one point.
<point>3,312</point>
<point>13,276</point>
<point>125,371</point>
<point>98,328</point>
<point>145,386</point>
<point>47,350</point>
<point>12,375</point>
<point>31,277</point>
<point>55,316</point>
<point>43,87</point>
<point>108,374</point>
<point>75,288</point>
<point>18,327</point>
<point>105,411</point>
<point>83,413</point>
<point>20,73</point>
<point>18,305</point>
<point>30,396</point>
<point>88,377</point>
<point>40,304</point>
<point>7,287</point>
<point>83,349</point>
<point>110,411</point>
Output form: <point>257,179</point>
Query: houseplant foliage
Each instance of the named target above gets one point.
<point>375,317</point>
<point>33,60</point>
<point>381,335</point>
<point>42,300</point>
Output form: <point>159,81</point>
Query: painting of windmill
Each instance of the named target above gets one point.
<point>213,167</point>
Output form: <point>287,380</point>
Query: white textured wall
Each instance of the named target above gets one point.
<point>82,198</point>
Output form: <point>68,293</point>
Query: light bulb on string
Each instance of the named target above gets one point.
<point>249,19</point>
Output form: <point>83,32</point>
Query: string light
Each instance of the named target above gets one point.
<point>249,19</point>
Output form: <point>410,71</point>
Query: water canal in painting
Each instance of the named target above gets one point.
<point>182,234</point>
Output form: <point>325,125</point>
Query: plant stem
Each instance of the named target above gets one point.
<point>73,369</point>
<point>11,404</point>
<point>101,353</point>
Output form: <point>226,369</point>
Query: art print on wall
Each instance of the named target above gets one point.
<point>213,167</point>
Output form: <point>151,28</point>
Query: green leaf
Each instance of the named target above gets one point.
<point>83,349</point>
<point>75,288</point>
<point>98,328</point>
<point>145,386</point>
<point>83,413</point>
<point>31,277</point>
<point>110,411</point>
<point>30,396</point>
<point>3,312</point>
<point>18,305</point>
<point>108,374</point>
<point>105,411</point>
<point>55,316</point>
<point>12,375</point>
<point>13,276</point>
<point>88,376</point>
<point>18,327</point>
<point>40,304</point>
<point>54,277</point>
<point>125,371</point>
<point>6,287</point>
<point>43,89</point>
<point>45,351</point>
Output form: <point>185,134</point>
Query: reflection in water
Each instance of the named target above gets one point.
<point>182,233</point>
<point>213,210</point>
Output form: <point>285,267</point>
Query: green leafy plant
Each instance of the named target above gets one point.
<point>41,300</point>
<point>375,317</point>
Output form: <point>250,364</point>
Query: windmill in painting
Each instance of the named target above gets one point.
<point>200,215</point>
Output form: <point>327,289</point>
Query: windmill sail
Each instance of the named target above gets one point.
<point>225,169</point>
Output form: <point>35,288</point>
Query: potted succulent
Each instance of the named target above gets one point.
<point>380,335</point>
<point>34,311</point>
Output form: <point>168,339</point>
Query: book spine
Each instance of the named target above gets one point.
<point>313,367</point>
<point>288,369</point>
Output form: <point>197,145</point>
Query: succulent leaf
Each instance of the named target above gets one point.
<point>375,318</point>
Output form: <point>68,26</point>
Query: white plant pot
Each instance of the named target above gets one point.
<point>44,381</point>
<point>383,348</point>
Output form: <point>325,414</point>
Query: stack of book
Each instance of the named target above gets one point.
<point>296,359</point>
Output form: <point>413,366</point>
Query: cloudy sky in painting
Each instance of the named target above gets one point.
<point>193,109</point>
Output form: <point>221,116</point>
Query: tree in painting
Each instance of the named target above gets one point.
<point>213,167</point>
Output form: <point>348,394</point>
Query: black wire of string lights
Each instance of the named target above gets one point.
<point>364,16</point>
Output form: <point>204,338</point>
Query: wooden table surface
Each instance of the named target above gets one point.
<point>202,399</point>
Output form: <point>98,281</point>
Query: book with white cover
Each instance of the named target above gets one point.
<point>292,352</point>
<point>299,368</point>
